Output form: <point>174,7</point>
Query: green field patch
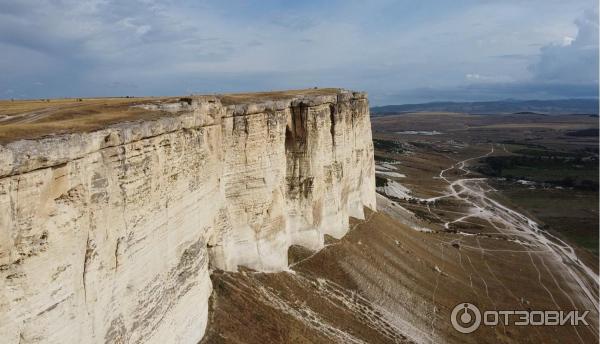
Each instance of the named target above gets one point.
<point>571,213</point>
<point>578,169</point>
<point>388,146</point>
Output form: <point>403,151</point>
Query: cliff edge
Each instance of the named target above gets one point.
<point>109,229</point>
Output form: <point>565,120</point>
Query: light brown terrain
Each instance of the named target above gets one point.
<point>387,283</point>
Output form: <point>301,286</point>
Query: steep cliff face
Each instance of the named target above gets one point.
<point>110,235</point>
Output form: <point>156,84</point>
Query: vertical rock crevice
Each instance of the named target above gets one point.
<point>332,121</point>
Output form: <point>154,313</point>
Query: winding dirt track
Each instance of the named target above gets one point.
<point>519,225</point>
<point>527,232</point>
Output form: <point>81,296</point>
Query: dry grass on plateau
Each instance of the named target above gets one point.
<point>29,119</point>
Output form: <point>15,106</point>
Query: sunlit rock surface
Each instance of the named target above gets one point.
<point>109,236</point>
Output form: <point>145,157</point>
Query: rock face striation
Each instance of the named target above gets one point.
<point>110,235</point>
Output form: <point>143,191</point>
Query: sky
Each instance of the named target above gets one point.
<point>403,51</point>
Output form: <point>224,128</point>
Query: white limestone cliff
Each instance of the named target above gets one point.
<point>109,236</point>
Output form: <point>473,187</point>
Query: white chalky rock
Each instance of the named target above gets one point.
<point>108,236</point>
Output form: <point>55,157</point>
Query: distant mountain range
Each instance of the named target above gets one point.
<point>547,107</point>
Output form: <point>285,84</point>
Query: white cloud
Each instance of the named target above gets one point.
<point>475,77</point>
<point>575,60</point>
<point>567,41</point>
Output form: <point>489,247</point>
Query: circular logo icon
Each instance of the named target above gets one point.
<point>465,317</point>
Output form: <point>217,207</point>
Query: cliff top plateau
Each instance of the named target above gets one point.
<point>31,119</point>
